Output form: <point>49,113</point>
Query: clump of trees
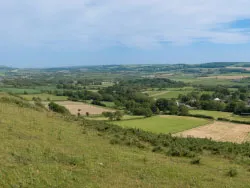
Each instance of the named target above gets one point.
<point>117,115</point>
<point>222,99</point>
<point>171,107</point>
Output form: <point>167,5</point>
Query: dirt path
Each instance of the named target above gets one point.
<point>220,131</point>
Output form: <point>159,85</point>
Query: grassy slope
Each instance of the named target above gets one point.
<point>167,124</point>
<point>40,150</point>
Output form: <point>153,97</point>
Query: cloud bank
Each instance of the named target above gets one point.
<point>133,23</point>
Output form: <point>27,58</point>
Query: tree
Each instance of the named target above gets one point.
<point>205,97</point>
<point>109,115</point>
<point>143,112</point>
<point>162,104</point>
<point>118,115</point>
<point>183,110</point>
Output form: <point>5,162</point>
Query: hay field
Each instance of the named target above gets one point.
<point>220,131</point>
<point>91,109</point>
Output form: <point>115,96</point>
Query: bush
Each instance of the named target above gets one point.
<point>232,172</point>
<point>195,161</point>
<point>96,102</point>
<point>58,108</point>
<point>157,149</point>
<point>201,116</point>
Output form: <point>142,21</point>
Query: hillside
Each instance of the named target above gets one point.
<point>41,149</point>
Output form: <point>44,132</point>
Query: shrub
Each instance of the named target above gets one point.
<point>58,108</point>
<point>232,172</point>
<point>195,161</point>
<point>201,116</point>
<point>96,102</point>
<point>157,149</point>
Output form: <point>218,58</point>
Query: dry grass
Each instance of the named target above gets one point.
<point>91,109</point>
<point>220,131</point>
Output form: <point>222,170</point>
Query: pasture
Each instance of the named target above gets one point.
<point>19,90</point>
<point>220,131</point>
<point>164,124</point>
<point>91,109</point>
<point>217,114</point>
<point>214,114</point>
<point>169,93</point>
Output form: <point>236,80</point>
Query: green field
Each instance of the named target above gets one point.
<point>217,114</point>
<point>164,124</point>
<point>168,93</point>
<point>45,97</point>
<point>214,114</point>
<point>19,90</point>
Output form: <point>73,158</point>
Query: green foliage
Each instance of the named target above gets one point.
<point>183,110</point>
<point>195,161</point>
<point>58,108</point>
<point>232,172</point>
<point>117,115</point>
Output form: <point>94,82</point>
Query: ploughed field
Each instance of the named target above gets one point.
<point>220,131</point>
<point>74,106</point>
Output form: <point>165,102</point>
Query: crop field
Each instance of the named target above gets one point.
<point>214,114</point>
<point>45,97</point>
<point>220,131</point>
<point>217,114</point>
<point>169,93</point>
<point>224,77</point>
<point>164,124</point>
<point>19,90</point>
<point>74,106</point>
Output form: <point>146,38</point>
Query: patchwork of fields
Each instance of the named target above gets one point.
<point>164,124</point>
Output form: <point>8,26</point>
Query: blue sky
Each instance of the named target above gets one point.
<point>53,33</point>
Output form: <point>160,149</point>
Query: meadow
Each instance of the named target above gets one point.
<point>214,114</point>
<point>41,149</point>
<point>217,114</point>
<point>168,93</point>
<point>164,124</point>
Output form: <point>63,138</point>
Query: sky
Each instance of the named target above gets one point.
<point>52,33</point>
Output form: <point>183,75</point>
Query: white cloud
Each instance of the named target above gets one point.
<point>135,23</point>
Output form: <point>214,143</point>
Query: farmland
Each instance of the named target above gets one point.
<point>164,124</point>
<point>216,115</point>
<point>74,107</point>
<point>220,131</point>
